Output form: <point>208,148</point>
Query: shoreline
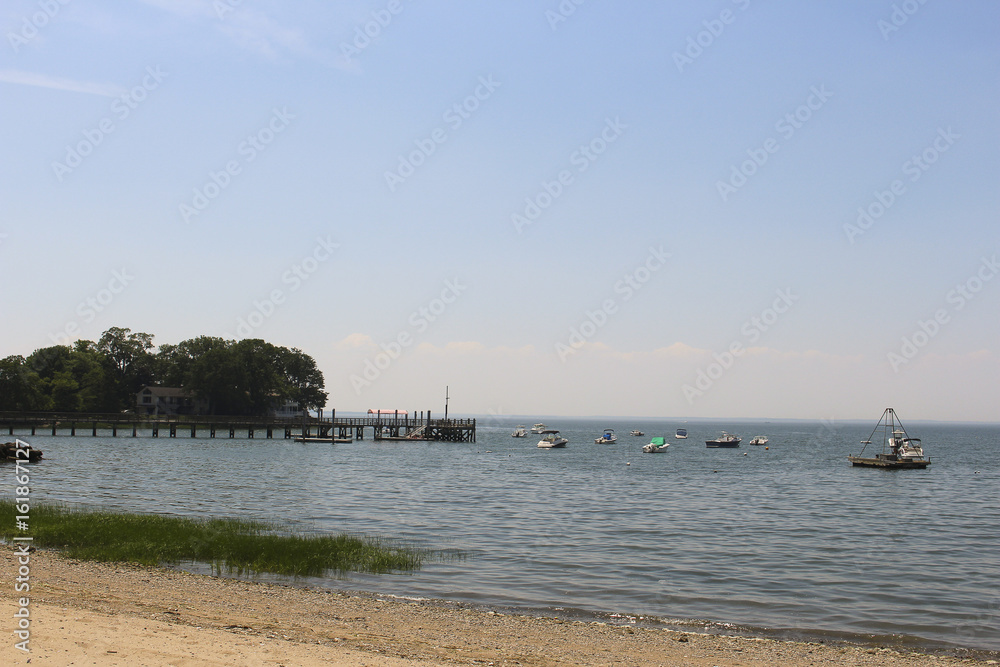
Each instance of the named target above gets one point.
<point>119,614</point>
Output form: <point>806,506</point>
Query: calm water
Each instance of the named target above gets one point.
<point>791,541</point>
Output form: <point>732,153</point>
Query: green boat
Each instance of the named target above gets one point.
<point>656,446</point>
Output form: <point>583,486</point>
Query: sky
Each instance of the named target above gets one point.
<point>719,209</point>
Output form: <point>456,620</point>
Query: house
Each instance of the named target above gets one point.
<point>152,400</point>
<point>288,410</point>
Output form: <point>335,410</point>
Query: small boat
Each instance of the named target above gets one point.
<point>636,432</point>
<point>899,450</point>
<point>552,440</point>
<point>539,428</point>
<point>724,440</point>
<point>656,446</point>
<point>681,433</point>
<point>759,440</point>
<point>519,432</point>
<point>608,438</point>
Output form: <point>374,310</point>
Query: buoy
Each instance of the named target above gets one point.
<point>766,448</point>
<point>744,453</point>
<point>628,463</point>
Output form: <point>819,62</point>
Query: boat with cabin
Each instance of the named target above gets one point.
<point>759,440</point>
<point>724,440</point>
<point>552,440</point>
<point>538,428</point>
<point>899,450</point>
<point>636,431</point>
<point>519,432</point>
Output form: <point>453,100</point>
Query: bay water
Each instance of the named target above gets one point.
<point>788,541</point>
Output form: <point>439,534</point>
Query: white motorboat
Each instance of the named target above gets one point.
<point>657,445</point>
<point>519,432</point>
<point>759,440</point>
<point>552,440</point>
<point>681,433</point>
<point>608,438</point>
<point>636,432</point>
<point>539,428</point>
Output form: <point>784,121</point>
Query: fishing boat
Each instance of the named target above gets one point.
<point>899,450</point>
<point>552,440</point>
<point>636,432</point>
<point>656,446</point>
<point>608,438</point>
<point>724,440</point>
<point>759,440</point>
<point>539,428</point>
<point>681,433</point>
<point>519,432</point>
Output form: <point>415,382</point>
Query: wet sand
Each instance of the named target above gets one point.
<point>99,614</point>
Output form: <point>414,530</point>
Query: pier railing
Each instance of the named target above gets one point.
<point>383,427</point>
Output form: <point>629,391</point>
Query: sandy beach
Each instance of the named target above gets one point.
<point>106,614</point>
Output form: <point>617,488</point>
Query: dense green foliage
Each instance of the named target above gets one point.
<point>232,545</point>
<point>246,377</point>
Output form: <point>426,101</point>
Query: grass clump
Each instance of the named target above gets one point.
<point>233,545</point>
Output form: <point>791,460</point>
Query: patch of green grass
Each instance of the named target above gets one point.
<point>233,545</point>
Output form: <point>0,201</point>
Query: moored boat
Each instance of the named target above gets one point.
<point>538,428</point>
<point>519,432</point>
<point>681,433</point>
<point>636,431</point>
<point>552,440</point>
<point>724,440</point>
<point>759,440</point>
<point>657,445</point>
<point>899,450</point>
<point>608,438</point>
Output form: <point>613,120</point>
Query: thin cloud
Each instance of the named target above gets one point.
<point>251,30</point>
<point>58,83</point>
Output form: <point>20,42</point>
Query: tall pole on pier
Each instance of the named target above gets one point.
<point>446,402</point>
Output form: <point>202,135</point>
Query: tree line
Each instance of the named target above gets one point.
<point>247,377</point>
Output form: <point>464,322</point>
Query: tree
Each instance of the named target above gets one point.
<point>129,361</point>
<point>247,377</point>
<point>19,386</point>
<point>304,381</point>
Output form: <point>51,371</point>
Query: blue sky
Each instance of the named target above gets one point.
<point>266,169</point>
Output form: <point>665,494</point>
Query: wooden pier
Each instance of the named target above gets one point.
<point>307,429</point>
